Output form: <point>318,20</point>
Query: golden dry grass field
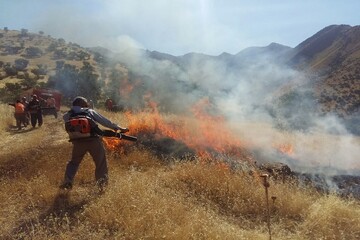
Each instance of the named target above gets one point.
<point>149,198</point>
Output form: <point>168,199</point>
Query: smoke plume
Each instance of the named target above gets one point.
<point>264,102</point>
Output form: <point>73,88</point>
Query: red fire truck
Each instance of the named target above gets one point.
<point>50,100</point>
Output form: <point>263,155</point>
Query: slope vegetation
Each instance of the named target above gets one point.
<point>334,53</point>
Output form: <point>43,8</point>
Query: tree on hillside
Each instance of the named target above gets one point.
<point>60,53</point>
<point>32,52</point>
<point>61,41</point>
<point>29,82</point>
<point>52,46</point>
<point>125,89</point>
<point>12,50</point>
<point>114,85</point>
<point>82,55</point>
<point>59,65</point>
<point>41,69</point>
<point>21,64</point>
<point>24,32</point>
<point>10,92</point>
<point>10,69</point>
<point>100,59</point>
<point>65,80</point>
<point>88,82</point>
<point>73,82</point>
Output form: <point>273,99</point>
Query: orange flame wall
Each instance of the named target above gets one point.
<point>202,132</point>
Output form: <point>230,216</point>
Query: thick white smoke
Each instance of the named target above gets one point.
<point>248,97</point>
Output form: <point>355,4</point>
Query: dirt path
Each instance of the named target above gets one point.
<point>51,132</point>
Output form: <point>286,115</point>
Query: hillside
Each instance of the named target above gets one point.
<point>334,53</point>
<point>328,61</point>
<point>30,60</point>
<point>38,49</point>
<point>151,196</point>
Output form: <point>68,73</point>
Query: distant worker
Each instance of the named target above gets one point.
<point>51,104</point>
<point>50,101</point>
<point>27,114</point>
<point>109,104</point>
<point>19,114</point>
<point>86,140</point>
<point>35,111</point>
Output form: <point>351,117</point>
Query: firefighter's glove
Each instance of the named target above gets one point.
<point>122,130</point>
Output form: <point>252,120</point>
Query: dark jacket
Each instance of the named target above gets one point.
<point>34,106</point>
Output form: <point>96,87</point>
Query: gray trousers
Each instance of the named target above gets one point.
<point>97,151</point>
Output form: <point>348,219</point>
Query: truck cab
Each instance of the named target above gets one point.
<point>50,100</point>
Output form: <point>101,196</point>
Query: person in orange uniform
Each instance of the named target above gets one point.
<point>19,114</point>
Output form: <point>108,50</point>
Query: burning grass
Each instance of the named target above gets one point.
<point>200,135</point>
<point>149,198</point>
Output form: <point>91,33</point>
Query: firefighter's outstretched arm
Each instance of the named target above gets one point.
<point>106,122</point>
<point>109,133</point>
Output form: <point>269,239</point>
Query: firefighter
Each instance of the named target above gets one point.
<point>50,103</point>
<point>109,104</point>
<point>89,143</point>
<point>19,114</point>
<point>27,114</point>
<point>35,111</point>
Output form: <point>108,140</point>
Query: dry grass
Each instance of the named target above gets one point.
<point>150,199</point>
<point>6,117</point>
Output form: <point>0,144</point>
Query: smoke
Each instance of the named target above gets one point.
<point>266,103</point>
<point>122,43</point>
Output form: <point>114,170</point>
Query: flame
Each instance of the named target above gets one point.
<point>202,130</point>
<point>127,87</point>
<point>286,148</point>
<point>205,133</point>
<point>112,143</point>
<point>214,130</point>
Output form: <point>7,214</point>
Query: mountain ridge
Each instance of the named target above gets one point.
<point>332,55</point>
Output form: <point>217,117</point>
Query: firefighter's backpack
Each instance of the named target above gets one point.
<point>80,126</point>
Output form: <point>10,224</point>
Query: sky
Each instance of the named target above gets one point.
<point>178,27</point>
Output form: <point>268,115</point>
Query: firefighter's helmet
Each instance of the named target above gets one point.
<point>80,101</point>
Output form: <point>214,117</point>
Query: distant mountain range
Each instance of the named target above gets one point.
<point>332,56</point>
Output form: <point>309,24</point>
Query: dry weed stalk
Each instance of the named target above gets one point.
<point>266,186</point>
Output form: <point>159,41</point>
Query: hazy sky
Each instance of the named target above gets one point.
<point>178,27</point>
